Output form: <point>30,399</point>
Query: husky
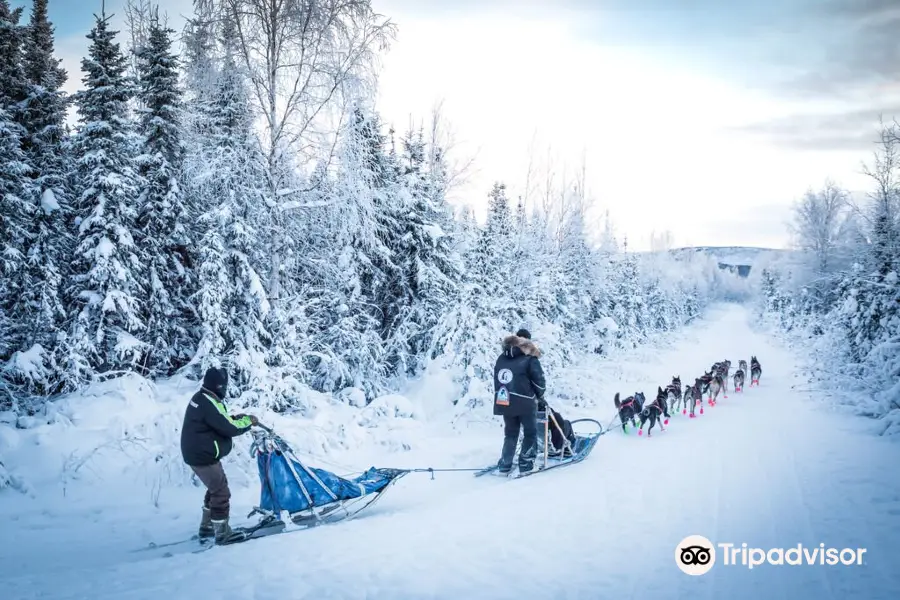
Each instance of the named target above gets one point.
<point>655,411</point>
<point>694,393</point>
<point>629,409</point>
<point>738,380</point>
<point>742,365</point>
<point>688,394</point>
<point>715,386</point>
<point>722,369</point>
<point>705,380</point>
<point>673,393</point>
<point>755,371</point>
<point>713,383</point>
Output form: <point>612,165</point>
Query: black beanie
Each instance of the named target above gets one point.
<point>216,381</point>
<point>523,333</point>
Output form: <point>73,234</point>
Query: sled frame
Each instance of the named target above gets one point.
<point>546,418</point>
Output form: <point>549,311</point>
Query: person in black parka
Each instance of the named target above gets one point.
<point>518,387</point>
<point>206,438</point>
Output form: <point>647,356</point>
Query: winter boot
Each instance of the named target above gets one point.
<point>206,527</point>
<point>223,531</point>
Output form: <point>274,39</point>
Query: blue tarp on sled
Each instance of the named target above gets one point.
<point>287,484</point>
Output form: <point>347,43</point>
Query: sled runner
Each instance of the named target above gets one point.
<point>584,443</point>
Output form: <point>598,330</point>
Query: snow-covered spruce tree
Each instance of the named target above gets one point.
<point>201,72</point>
<point>13,84</point>
<point>582,299</point>
<point>106,287</point>
<point>162,235</point>
<point>224,173</point>
<point>429,266</point>
<point>489,261</point>
<point>468,334</point>
<point>39,312</point>
<point>16,209</point>
<point>627,302</point>
<point>379,153</point>
<point>360,221</point>
<point>531,268</point>
<point>495,243</point>
<point>541,267</point>
<point>15,215</point>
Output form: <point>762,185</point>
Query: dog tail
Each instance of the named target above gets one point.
<point>617,401</point>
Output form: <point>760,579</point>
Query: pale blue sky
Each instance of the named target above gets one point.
<point>704,117</point>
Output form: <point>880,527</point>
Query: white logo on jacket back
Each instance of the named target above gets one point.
<point>505,376</point>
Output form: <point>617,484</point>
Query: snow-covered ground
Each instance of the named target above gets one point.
<point>771,468</point>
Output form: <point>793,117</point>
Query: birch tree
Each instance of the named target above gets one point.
<point>818,225</point>
<point>303,60</point>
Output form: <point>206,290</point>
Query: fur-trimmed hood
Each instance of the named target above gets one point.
<point>525,345</point>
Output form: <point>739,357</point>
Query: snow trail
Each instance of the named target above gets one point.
<point>770,467</point>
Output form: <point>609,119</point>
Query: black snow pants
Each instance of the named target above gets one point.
<point>511,426</point>
<point>218,496</point>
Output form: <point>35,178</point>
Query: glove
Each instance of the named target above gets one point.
<point>253,419</point>
<point>542,406</point>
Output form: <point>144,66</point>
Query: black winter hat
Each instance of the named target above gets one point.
<point>216,381</point>
<point>523,333</point>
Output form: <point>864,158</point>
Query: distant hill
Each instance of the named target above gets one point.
<point>735,255</point>
<point>739,259</point>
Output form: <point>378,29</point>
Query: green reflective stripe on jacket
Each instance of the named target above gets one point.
<point>216,444</point>
<point>241,423</point>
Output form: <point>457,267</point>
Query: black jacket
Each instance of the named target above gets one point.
<point>518,378</point>
<point>207,430</point>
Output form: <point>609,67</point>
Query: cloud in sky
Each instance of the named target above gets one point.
<point>696,116</point>
<point>850,130</point>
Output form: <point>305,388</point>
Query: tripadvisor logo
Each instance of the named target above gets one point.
<point>696,555</point>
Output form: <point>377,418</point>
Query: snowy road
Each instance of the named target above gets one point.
<point>771,468</point>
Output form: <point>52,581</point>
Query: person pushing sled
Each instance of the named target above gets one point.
<point>206,438</point>
<point>519,388</point>
<point>289,489</point>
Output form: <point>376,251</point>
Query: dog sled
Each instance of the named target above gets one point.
<point>295,496</point>
<point>571,453</point>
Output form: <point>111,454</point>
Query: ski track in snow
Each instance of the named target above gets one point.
<point>770,467</point>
